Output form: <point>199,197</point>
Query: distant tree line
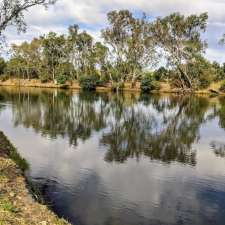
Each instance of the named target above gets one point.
<point>132,49</point>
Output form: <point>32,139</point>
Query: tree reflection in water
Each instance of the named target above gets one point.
<point>164,133</point>
<point>219,111</point>
<point>131,125</point>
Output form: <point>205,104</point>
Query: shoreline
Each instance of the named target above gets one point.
<point>164,87</point>
<point>17,206</point>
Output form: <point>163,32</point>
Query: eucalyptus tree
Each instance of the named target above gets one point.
<point>54,52</point>
<point>130,43</point>
<point>79,49</point>
<point>30,53</point>
<point>19,56</point>
<point>85,44</point>
<point>218,71</point>
<point>2,65</point>
<point>15,67</point>
<point>12,12</point>
<point>100,56</point>
<point>72,51</point>
<point>179,38</point>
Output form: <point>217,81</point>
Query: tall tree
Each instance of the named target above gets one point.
<point>2,65</point>
<point>72,51</point>
<point>85,48</point>
<point>180,39</point>
<point>31,55</point>
<point>128,38</point>
<point>54,51</point>
<point>100,57</point>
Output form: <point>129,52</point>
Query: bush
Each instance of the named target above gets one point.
<point>148,83</point>
<point>222,87</point>
<point>204,82</point>
<point>160,74</point>
<point>44,77</point>
<point>4,77</point>
<point>102,81</point>
<point>61,79</point>
<point>88,82</point>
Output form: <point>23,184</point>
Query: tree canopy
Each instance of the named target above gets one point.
<point>131,49</point>
<point>12,12</point>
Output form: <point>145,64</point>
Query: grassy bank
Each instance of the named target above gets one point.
<point>17,206</point>
<point>164,87</point>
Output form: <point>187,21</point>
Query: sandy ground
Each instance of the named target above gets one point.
<point>164,87</point>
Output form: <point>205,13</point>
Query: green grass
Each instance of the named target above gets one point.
<point>7,206</point>
<point>7,148</point>
<point>3,178</point>
<point>16,205</point>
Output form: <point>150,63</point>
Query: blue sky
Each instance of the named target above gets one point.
<point>91,16</point>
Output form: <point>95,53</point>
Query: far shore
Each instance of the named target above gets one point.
<point>164,87</point>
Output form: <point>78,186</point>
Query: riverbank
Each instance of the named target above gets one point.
<point>164,87</point>
<point>17,207</point>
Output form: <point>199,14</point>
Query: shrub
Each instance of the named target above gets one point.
<point>4,77</point>
<point>44,77</point>
<point>148,83</point>
<point>102,81</point>
<point>222,87</point>
<point>160,74</point>
<point>61,79</point>
<point>204,82</point>
<point>88,82</point>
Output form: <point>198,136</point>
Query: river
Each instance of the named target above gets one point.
<point>121,159</point>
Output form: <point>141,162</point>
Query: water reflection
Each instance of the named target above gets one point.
<point>166,132</point>
<point>165,135</point>
<point>134,159</point>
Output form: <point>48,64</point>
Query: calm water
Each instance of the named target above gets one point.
<point>107,159</point>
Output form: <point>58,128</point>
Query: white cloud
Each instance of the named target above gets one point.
<point>216,55</point>
<point>91,15</point>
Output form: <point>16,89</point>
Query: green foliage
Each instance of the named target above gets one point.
<point>201,73</point>
<point>179,37</point>
<point>130,47</point>
<point>116,86</point>
<point>88,83</point>
<point>44,77</point>
<point>102,81</point>
<point>54,47</point>
<point>12,12</point>
<point>4,77</point>
<point>222,87</point>
<point>6,205</point>
<point>21,162</point>
<point>204,82</point>
<point>63,73</point>
<point>129,43</point>
<point>15,67</point>
<point>11,151</point>
<point>2,66</point>
<point>161,73</point>
<point>218,71</point>
<point>148,83</point>
<point>61,79</point>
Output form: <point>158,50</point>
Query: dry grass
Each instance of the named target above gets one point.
<point>164,86</point>
<point>17,207</point>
